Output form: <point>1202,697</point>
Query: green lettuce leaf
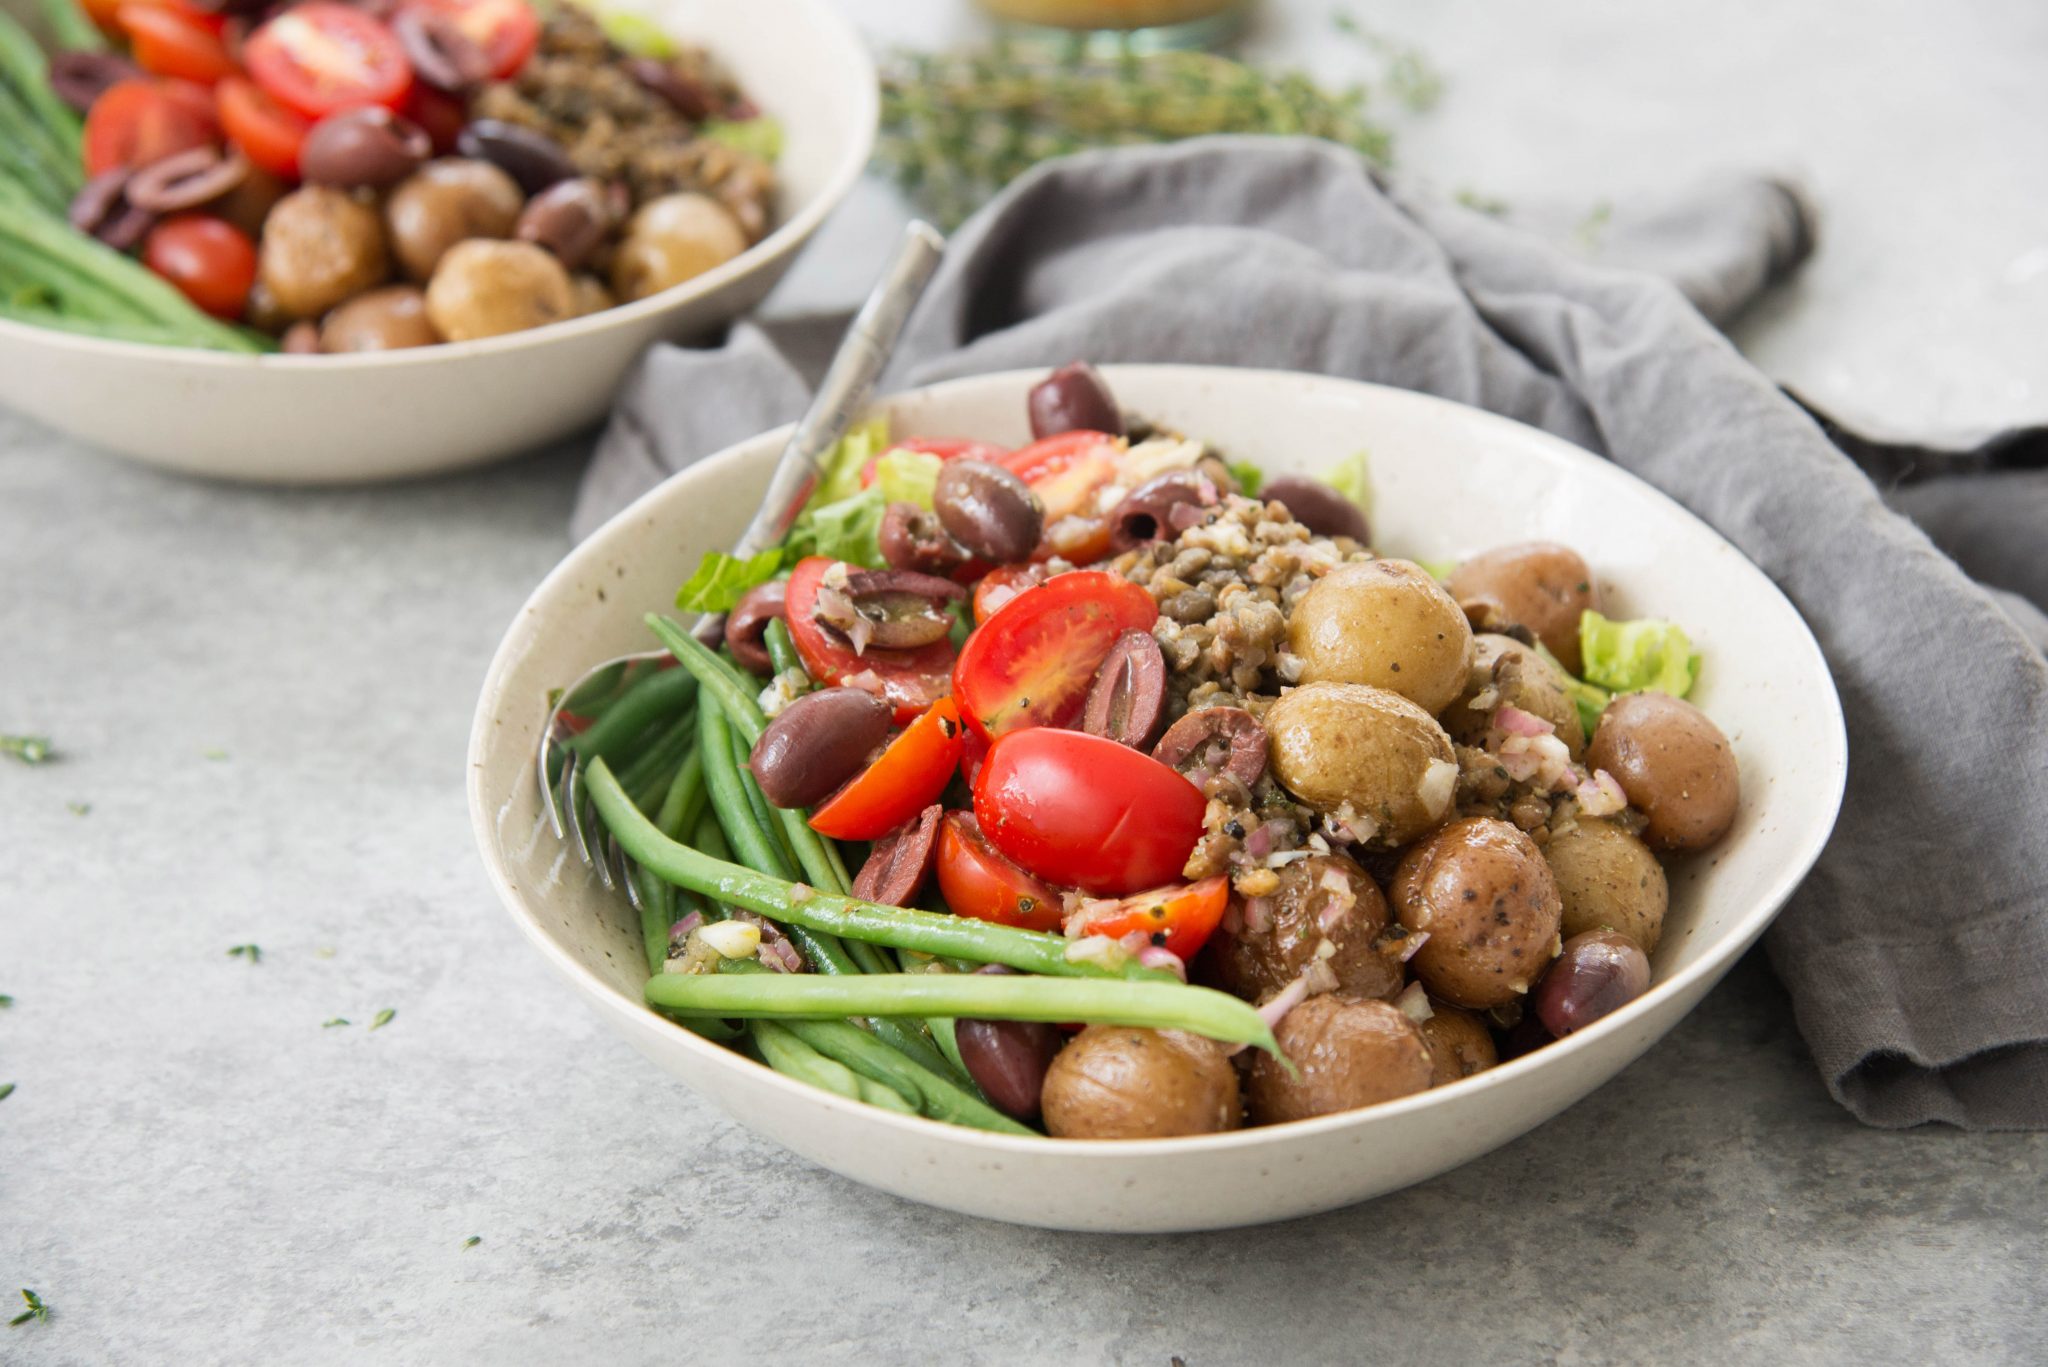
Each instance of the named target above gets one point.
<point>907,477</point>
<point>1629,657</point>
<point>635,35</point>
<point>1249,477</point>
<point>721,580</point>
<point>1438,570</point>
<point>1352,477</point>
<point>759,136</point>
<point>839,468</point>
<point>845,529</point>
<point>1590,699</point>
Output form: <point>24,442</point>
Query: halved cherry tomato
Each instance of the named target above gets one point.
<point>322,57</point>
<point>135,122</point>
<point>1086,812</point>
<point>1179,918</point>
<point>1031,662</point>
<point>977,880</point>
<point>167,42</point>
<point>908,680</point>
<point>269,135</point>
<point>209,259</point>
<point>1000,585</point>
<point>107,14</point>
<point>507,30</point>
<point>1064,470</point>
<point>945,448</point>
<point>905,778</point>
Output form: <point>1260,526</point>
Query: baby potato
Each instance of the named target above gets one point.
<point>1325,897</point>
<point>672,239</point>
<point>1539,585</point>
<point>484,288</point>
<point>320,246</point>
<point>1349,1054</point>
<point>1519,677</point>
<point>1480,889</point>
<point>1127,1082</point>
<point>1608,880</point>
<point>1386,623</point>
<point>1459,1043</point>
<point>1674,764</point>
<point>1338,743</point>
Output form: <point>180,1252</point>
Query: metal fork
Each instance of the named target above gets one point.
<point>846,388</point>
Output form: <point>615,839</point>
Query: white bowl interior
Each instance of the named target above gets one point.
<point>380,415</point>
<point>1448,481</point>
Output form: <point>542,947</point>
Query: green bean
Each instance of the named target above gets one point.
<point>709,837</point>
<point>91,327</point>
<point>985,996</point>
<point>680,809</point>
<point>647,701</point>
<point>720,680</point>
<point>23,63</point>
<point>937,1098</point>
<point>789,1055</point>
<point>648,776</point>
<point>901,928</point>
<point>946,1034</point>
<point>782,650</point>
<point>749,839</point>
<point>765,815</point>
<point>70,29</point>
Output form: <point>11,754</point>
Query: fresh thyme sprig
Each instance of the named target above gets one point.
<point>383,1018</point>
<point>36,1309</point>
<point>27,749</point>
<point>253,953</point>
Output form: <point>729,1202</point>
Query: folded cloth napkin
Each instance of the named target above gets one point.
<point>1916,951</point>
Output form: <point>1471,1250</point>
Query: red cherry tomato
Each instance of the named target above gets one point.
<point>169,43</point>
<point>107,14</point>
<point>442,116</point>
<point>1000,585</point>
<point>1064,470</point>
<point>269,135</point>
<point>1030,663</point>
<point>908,680</point>
<point>945,448</point>
<point>209,259</point>
<point>136,122</point>
<point>322,57</point>
<point>976,880</point>
<point>1179,918</point>
<point>904,779</point>
<point>1083,811</point>
<point>507,30</point>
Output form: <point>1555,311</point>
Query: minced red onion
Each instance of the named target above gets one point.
<point>1258,915</point>
<point>680,931</point>
<point>1159,956</point>
<point>1259,843</point>
<point>1412,944</point>
<point>801,892</point>
<point>1290,996</point>
<point>1414,1003</point>
<point>1601,795</point>
<point>1516,722</point>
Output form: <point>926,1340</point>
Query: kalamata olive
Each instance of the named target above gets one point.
<point>79,78</point>
<point>686,95</point>
<point>388,318</point>
<point>442,54</point>
<point>185,180</point>
<point>817,743</point>
<point>1007,1060</point>
<point>1316,506</point>
<point>894,609</point>
<point>533,159</point>
<point>447,201</point>
<point>900,861</point>
<point>911,538</point>
<point>301,339</point>
<point>1217,740</point>
<point>1597,972</point>
<point>747,624</point>
<point>102,210</point>
<point>1164,506</point>
<point>1127,701</point>
<point>570,218</point>
<point>250,201</point>
<point>361,148</point>
<point>988,510</point>
<point>1073,399</point>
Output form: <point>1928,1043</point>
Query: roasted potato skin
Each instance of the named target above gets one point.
<point>1348,1054</point>
<point>1674,764</point>
<point>1480,890</point>
<point>1608,880</point>
<point>1336,743</point>
<point>1256,964</point>
<point>1538,584</point>
<point>1126,1082</point>
<point>1459,1043</point>
<point>1522,678</point>
<point>1385,623</point>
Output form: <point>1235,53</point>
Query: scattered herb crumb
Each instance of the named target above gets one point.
<point>6,1090</point>
<point>383,1017</point>
<point>1484,204</point>
<point>27,749</point>
<point>472,1241</point>
<point>5,1000</point>
<point>1593,226</point>
<point>216,755</point>
<point>332,1021</point>
<point>36,1309</point>
<point>325,951</point>
<point>79,808</point>
<point>252,953</point>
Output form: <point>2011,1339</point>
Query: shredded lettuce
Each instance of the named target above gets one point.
<point>846,529</point>
<point>1438,570</point>
<point>1352,477</point>
<point>839,468</point>
<point>722,580</point>
<point>907,476</point>
<point>1590,699</point>
<point>759,136</point>
<point>636,35</point>
<point>1249,477</point>
<point>1629,657</point>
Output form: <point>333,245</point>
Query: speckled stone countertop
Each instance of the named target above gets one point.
<point>261,700</point>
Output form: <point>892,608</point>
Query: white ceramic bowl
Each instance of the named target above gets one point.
<point>385,415</point>
<point>1449,481</point>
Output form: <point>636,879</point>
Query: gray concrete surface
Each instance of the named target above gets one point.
<point>261,699</point>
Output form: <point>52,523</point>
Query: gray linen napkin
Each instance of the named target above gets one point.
<point>1915,953</point>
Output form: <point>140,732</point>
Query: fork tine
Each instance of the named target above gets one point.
<point>625,871</point>
<point>556,800</point>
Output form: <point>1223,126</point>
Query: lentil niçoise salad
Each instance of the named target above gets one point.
<point>1174,806</point>
<point>330,176</point>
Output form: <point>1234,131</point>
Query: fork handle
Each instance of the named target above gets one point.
<point>847,385</point>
